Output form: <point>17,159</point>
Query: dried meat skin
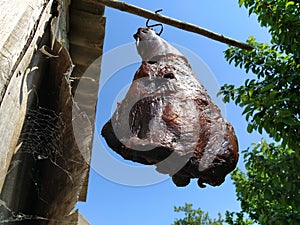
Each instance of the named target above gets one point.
<point>167,119</point>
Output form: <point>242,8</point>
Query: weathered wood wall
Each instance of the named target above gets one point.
<point>22,23</point>
<point>48,92</point>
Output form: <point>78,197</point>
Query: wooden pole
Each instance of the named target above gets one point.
<point>123,6</point>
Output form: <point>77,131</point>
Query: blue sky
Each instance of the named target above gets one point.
<point>112,203</point>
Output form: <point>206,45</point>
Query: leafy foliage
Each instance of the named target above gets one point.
<point>271,100</point>
<point>237,218</point>
<point>198,217</point>
<point>282,19</point>
<point>195,217</point>
<point>269,191</point>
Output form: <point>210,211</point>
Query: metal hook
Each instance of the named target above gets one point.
<point>157,24</point>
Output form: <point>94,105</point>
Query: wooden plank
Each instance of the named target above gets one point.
<point>17,25</point>
<point>15,98</point>
<point>87,29</point>
<point>61,24</point>
<point>74,218</point>
<point>82,220</point>
<point>10,9</point>
<point>18,51</point>
<point>91,6</point>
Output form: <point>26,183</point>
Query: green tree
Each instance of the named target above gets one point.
<point>271,99</point>
<point>269,190</point>
<point>198,217</point>
<point>195,217</point>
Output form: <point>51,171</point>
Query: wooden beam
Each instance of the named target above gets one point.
<point>123,6</point>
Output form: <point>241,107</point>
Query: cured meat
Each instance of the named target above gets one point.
<point>168,119</point>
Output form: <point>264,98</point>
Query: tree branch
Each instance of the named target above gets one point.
<point>123,6</point>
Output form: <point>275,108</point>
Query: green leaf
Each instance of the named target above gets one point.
<point>241,2</point>
<point>250,92</point>
<point>250,128</point>
<point>271,103</point>
<point>289,3</point>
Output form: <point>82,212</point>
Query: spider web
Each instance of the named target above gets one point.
<point>42,139</point>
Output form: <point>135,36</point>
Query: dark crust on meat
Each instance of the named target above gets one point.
<point>171,115</point>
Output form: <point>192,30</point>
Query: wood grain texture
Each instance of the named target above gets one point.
<point>19,23</point>
<point>123,6</point>
<point>15,87</point>
<point>32,79</point>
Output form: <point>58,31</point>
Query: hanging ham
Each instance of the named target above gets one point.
<point>167,119</point>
